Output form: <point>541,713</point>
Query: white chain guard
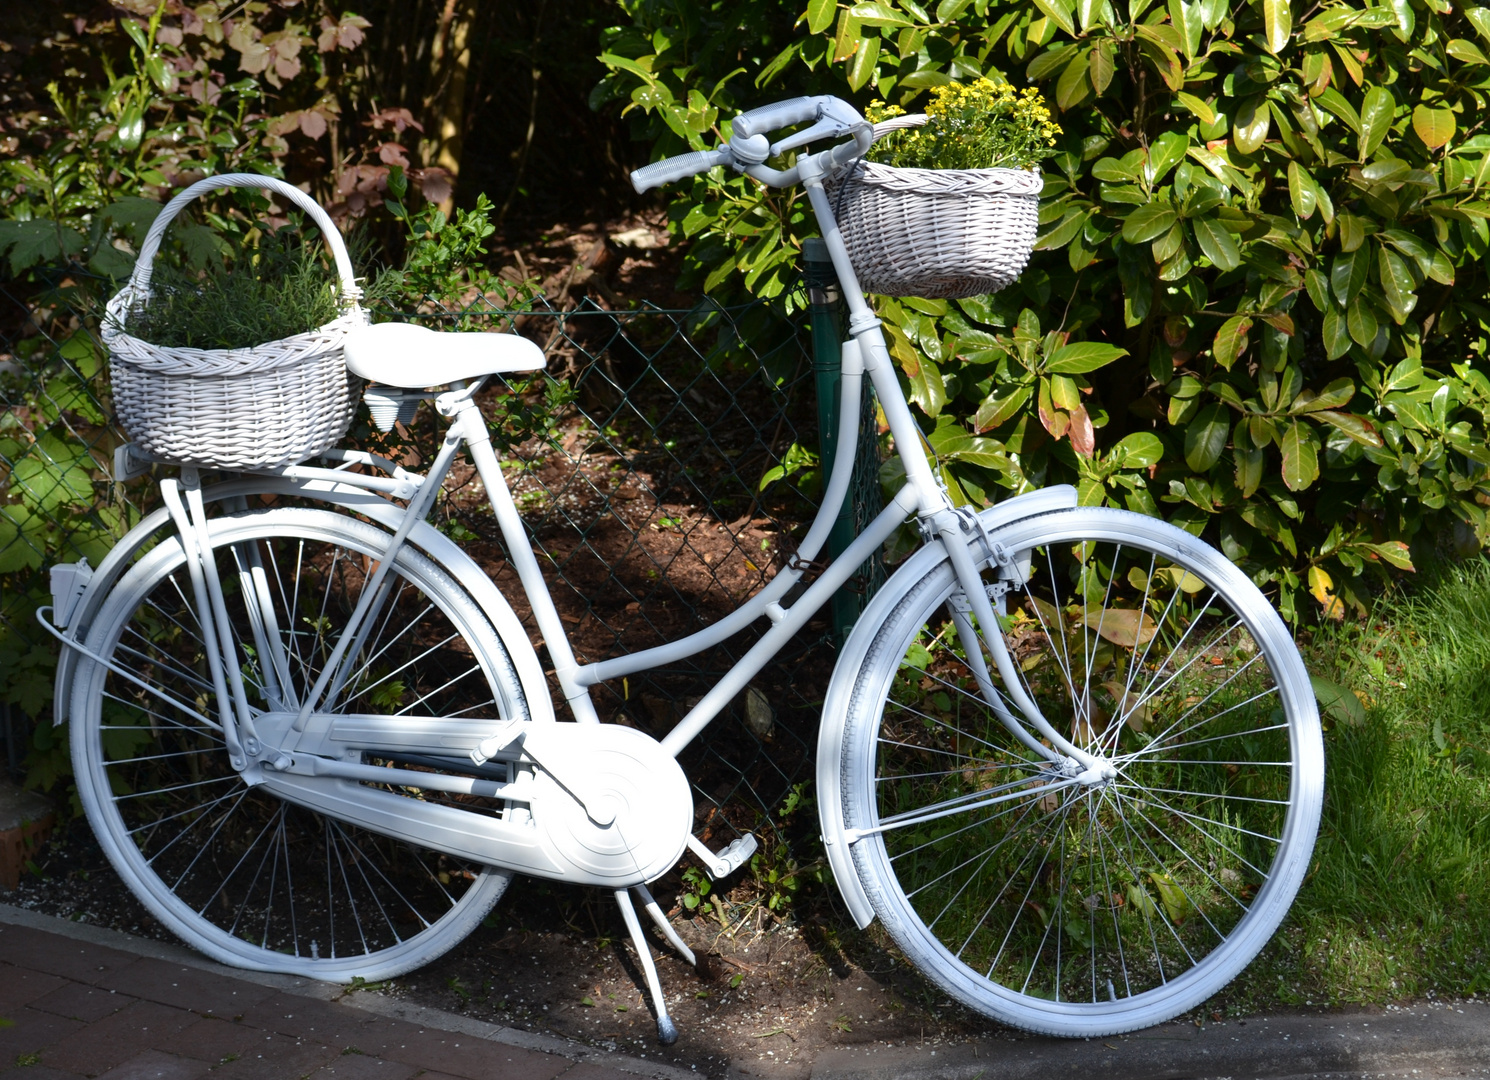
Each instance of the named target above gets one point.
<point>646,799</point>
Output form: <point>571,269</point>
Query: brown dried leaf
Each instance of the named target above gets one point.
<point>1127,627</point>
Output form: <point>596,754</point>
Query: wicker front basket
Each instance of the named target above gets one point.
<point>937,233</point>
<point>261,407</point>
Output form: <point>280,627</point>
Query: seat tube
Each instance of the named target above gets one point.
<point>471,425</point>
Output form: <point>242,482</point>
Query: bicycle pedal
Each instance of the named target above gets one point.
<point>726,861</point>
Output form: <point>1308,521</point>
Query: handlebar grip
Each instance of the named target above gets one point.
<point>677,168</point>
<point>779,115</point>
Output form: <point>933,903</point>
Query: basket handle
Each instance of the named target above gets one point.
<point>139,279</point>
<point>895,123</point>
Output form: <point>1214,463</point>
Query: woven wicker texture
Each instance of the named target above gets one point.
<point>937,233</point>
<point>261,407</point>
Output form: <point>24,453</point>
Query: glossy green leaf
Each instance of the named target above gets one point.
<point>1250,128</point>
<point>1231,340</point>
<point>1139,450</point>
<point>136,34</point>
<point>1479,18</point>
<point>1112,171</point>
<point>820,14</point>
<point>1333,331</point>
<point>1352,232</point>
<point>1101,66</point>
<point>1396,284</point>
<point>1394,552</point>
<point>1434,126</point>
<point>1217,244</point>
<point>1334,101</point>
<point>1187,19</point>
<point>1300,457</point>
<point>1357,427</point>
<point>1064,231</point>
<point>1205,437</point>
<point>1348,274</point>
<point>1277,22</point>
<point>1081,357</point>
<point>1376,119</point>
<point>1165,152</point>
<point>846,41</point>
<point>1001,406</point>
<point>1405,18</point>
<point>1059,12</point>
<point>1074,84</point>
<point>1148,222</point>
<point>1467,51</point>
<point>1249,466</point>
<point>1302,191</point>
<point>1360,321</point>
<point>861,67</point>
<point>879,13</point>
<point>1203,112</point>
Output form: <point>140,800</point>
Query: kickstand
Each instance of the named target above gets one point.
<point>667,1031</point>
<point>645,896</point>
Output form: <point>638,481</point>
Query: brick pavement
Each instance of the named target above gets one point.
<point>79,1008</point>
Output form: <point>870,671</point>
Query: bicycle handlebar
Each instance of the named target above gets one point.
<point>748,149</point>
<point>678,168</point>
<point>781,114</point>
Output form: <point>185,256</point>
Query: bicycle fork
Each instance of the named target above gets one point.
<point>959,531</point>
<point>940,519</point>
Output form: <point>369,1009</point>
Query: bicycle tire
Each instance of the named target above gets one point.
<point>1087,910</point>
<point>244,877</point>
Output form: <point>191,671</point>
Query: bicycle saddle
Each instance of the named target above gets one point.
<point>405,355</point>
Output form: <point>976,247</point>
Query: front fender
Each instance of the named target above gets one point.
<point>845,674</point>
<point>444,551</point>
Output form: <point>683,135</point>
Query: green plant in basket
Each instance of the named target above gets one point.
<point>275,288</point>
<point>976,125</point>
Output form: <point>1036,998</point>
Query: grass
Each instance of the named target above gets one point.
<point>1397,903</point>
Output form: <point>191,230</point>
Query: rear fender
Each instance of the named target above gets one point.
<point>444,551</point>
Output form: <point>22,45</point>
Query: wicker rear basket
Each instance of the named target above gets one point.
<point>937,233</point>
<point>261,407</point>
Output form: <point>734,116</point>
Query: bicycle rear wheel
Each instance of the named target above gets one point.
<point>1057,906</point>
<point>246,878</point>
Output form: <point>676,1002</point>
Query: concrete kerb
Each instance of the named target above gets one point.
<point>1424,1042</point>
<point>392,1008</point>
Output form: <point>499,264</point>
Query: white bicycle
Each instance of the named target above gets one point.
<point>1069,756</point>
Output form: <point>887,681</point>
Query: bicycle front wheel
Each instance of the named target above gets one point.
<point>234,871</point>
<point>1071,908</point>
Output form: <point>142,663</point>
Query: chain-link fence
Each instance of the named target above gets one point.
<point>665,465</point>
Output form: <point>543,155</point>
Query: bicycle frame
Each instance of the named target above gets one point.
<point>957,531</point>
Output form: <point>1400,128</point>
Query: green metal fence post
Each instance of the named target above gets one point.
<point>863,501</point>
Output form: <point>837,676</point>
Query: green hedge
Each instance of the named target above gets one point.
<point>1273,215</point>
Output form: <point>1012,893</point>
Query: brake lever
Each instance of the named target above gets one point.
<point>827,127</point>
